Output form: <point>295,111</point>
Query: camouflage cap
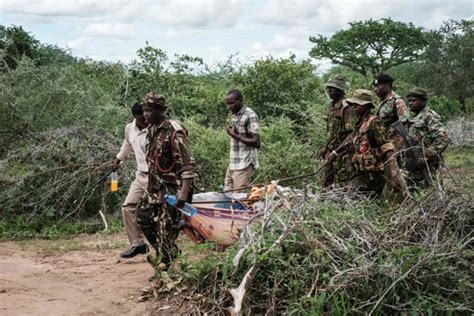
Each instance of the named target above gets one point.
<point>362,97</point>
<point>338,82</point>
<point>383,78</point>
<point>154,99</point>
<point>418,93</point>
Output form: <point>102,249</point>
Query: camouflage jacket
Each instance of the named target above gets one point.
<point>340,121</point>
<point>169,159</point>
<point>370,143</point>
<point>392,108</point>
<point>426,128</point>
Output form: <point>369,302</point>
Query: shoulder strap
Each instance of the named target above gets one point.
<point>395,99</point>
<point>345,104</point>
<point>365,126</point>
<point>177,127</point>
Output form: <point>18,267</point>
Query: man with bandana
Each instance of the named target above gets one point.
<point>171,170</point>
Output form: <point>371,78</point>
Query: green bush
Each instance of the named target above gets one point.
<point>446,108</point>
<point>336,253</point>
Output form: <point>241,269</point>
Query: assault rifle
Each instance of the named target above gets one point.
<point>413,150</point>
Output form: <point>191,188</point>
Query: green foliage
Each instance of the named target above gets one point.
<point>283,153</point>
<point>14,44</point>
<point>449,56</point>
<point>62,119</point>
<point>447,108</point>
<point>210,148</point>
<point>345,256</point>
<point>23,227</point>
<point>445,68</point>
<point>181,81</point>
<point>372,47</point>
<point>273,87</point>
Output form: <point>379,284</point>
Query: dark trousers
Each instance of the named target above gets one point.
<point>160,224</point>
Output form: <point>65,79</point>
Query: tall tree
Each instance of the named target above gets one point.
<point>372,47</point>
<point>450,55</point>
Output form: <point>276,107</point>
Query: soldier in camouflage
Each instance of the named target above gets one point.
<point>370,149</point>
<point>171,170</point>
<point>340,123</point>
<point>392,106</point>
<point>425,127</point>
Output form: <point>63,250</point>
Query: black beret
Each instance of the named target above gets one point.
<point>383,78</point>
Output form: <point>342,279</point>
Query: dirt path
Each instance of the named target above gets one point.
<point>80,276</point>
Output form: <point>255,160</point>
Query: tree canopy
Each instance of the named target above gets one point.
<point>372,47</point>
<point>450,56</point>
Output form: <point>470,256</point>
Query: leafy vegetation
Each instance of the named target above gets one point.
<point>62,121</point>
<point>338,253</point>
<point>372,47</point>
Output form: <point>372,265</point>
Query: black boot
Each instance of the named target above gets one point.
<point>135,250</point>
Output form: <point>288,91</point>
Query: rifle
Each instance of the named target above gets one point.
<point>413,150</point>
<point>324,163</point>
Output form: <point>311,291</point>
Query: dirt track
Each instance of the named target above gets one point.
<point>81,276</point>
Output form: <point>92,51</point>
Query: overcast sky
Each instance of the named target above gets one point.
<point>113,30</point>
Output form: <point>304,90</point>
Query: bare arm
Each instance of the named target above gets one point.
<point>183,193</point>
<point>251,139</point>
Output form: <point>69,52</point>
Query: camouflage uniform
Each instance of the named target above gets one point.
<point>340,123</point>
<point>426,128</point>
<point>369,145</point>
<point>391,109</point>
<point>170,161</point>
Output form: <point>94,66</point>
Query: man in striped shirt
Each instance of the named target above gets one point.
<point>244,132</point>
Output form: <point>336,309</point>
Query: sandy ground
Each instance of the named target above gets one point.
<point>80,276</point>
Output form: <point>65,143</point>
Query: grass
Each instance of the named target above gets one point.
<point>22,227</point>
<point>460,167</point>
<point>347,256</point>
<point>460,158</point>
<point>76,243</point>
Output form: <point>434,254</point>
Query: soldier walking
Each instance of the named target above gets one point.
<point>171,169</point>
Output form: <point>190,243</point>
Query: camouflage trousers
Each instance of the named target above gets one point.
<point>160,224</point>
<point>369,183</point>
<point>337,172</point>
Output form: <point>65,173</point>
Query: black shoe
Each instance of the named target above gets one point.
<point>135,250</point>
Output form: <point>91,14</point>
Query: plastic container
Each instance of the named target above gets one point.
<point>114,182</point>
<point>187,209</point>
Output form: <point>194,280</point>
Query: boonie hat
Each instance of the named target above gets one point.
<point>338,82</point>
<point>154,99</point>
<point>418,93</point>
<point>362,97</point>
